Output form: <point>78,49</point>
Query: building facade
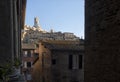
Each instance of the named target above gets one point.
<point>102,37</point>
<point>59,61</point>
<point>34,35</point>
<point>28,57</point>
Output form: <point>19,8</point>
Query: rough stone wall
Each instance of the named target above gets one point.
<point>102,35</point>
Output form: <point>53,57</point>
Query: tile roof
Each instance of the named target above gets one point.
<point>63,45</point>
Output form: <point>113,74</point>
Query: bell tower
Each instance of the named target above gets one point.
<point>36,22</point>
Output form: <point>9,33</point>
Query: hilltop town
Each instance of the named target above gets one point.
<point>35,33</point>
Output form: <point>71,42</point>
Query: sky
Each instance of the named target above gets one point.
<point>59,15</point>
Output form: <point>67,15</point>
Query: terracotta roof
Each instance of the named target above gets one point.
<point>28,46</point>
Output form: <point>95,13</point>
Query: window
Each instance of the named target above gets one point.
<point>25,64</point>
<point>53,61</point>
<point>25,53</point>
<point>80,61</point>
<point>75,62</point>
<point>28,64</point>
<point>29,54</point>
<point>70,61</point>
<point>32,52</point>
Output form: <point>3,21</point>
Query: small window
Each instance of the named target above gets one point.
<point>70,61</point>
<point>80,62</point>
<point>29,54</point>
<point>53,61</point>
<point>25,64</point>
<point>75,62</point>
<point>28,64</point>
<point>25,53</point>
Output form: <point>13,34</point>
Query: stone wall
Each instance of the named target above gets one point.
<point>102,35</point>
<point>36,73</point>
<point>54,65</point>
<point>61,71</point>
<point>40,67</point>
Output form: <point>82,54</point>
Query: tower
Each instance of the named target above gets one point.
<point>36,22</point>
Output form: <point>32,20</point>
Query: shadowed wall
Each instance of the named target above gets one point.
<point>102,35</point>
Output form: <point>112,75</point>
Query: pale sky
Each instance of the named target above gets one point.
<point>59,15</point>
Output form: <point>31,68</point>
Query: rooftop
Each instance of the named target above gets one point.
<point>63,45</point>
<point>28,46</point>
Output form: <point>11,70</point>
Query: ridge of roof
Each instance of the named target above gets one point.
<point>63,45</point>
